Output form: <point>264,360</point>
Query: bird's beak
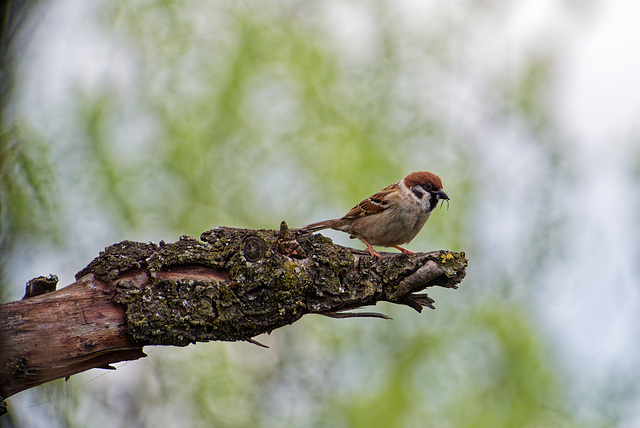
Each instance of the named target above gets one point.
<point>441,195</point>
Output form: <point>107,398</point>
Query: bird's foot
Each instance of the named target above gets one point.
<point>370,249</point>
<point>404,250</point>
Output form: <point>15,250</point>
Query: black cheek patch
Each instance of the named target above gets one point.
<point>433,202</point>
<point>418,193</point>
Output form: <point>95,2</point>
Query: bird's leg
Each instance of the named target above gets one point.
<point>404,250</point>
<point>370,249</point>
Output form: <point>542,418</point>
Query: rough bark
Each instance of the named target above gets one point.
<point>231,285</point>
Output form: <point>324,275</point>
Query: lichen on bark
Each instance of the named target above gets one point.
<point>234,284</point>
<point>120,257</point>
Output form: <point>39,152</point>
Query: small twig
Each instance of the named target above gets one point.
<point>356,315</point>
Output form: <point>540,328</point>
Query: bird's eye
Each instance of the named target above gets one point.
<point>427,186</point>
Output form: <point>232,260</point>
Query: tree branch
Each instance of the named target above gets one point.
<point>232,285</point>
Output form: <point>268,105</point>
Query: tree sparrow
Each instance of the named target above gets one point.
<point>393,216</point>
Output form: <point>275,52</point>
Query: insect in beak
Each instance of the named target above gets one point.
<point>444,197</point>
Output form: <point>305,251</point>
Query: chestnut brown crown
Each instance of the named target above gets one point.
<point>423,177</point>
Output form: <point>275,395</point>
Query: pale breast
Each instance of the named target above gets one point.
<point>394,226</point>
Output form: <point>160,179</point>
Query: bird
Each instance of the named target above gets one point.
<point>392,216</point>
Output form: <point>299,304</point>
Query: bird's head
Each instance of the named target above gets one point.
<point>426,184</point>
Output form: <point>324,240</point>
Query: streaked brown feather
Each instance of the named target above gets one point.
<point>374,204</point>
<point>405,209</point>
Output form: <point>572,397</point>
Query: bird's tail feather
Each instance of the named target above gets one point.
<point>321,225</point>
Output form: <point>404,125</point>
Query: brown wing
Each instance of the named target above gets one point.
<point>374,204</point>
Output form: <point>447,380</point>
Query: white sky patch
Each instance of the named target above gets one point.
<point>598,92</point>
<point>69,50</point>
<point>350,27</point>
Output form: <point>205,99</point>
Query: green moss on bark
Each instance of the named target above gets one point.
<point>234,284</point>
<point>118,258</point>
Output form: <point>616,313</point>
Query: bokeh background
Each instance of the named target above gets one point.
<point>147,120</point>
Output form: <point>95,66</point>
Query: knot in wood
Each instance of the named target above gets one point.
<point>253,248</point>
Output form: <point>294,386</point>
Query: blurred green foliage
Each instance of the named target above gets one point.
<point>245,114</point>
<point>27,185</point>
<point>241,93</point>
<point>27,181</point>
<point>499,378</point>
